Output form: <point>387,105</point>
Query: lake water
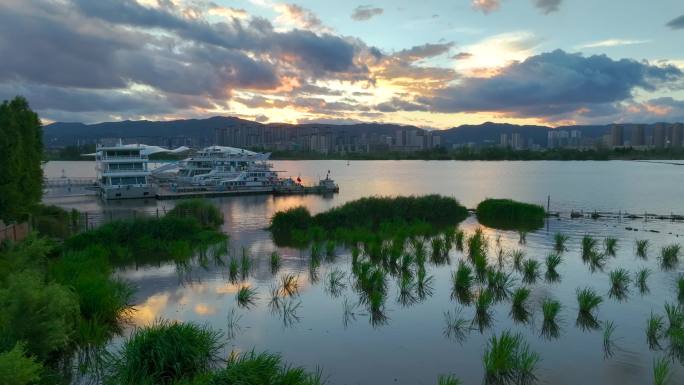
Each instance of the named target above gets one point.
<point>411,348</point>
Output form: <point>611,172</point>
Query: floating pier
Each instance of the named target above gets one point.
<point>168,192</point>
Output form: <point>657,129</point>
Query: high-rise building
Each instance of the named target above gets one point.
<point>659,135</point>
<point>517,142</point>
<point>503,142</point>
<point>617,135</point>
<point>638,135</point>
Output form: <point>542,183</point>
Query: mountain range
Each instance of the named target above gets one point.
<point>61,134</point>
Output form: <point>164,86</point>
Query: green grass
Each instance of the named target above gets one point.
<point>262,369</point>
<point>18,368</point>
<point>610,245</point>
<point>588,301</point>
<point>588,247</point>
<point>507,359</point>
<point>669,256</point>
<point>531,271</point>
<point>517,256</point>
<point>654,330</point>
<point>519,311</point>
<point>661,371</point>
<point>550,310</point>
<point>233,268</point>
<point>246,296</point>
<point>165,353</point>
<point>448,380</point>
<point>462,282</point>
<point>335,282</point>
<point>483,310</point>
<point>559,241</point>
<point>458,239</point>
<point>552,262</point>
<point>619,283</point>
<point>641,279</point>
<point>500,284</point>
<point>680,289</point>
<point>205,212</point>
<point>608,343</point>
<point>353,221</point>
<point>477,244</point>
<point>597,261</point>
<point>275,262</point>
<point>508,214</point>
<point>481,267</point>
<point>245,263</point>
<point>642,248</point>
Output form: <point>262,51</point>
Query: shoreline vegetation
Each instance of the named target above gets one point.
<point>507,214</point>
<point>73,153</point>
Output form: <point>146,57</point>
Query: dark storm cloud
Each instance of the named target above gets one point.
<point>553,83</point>
<point>677,23</point>
<point>398,104</point>
<point>365,12</point>
<point>547,6</point>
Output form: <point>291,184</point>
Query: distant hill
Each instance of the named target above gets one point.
<point>202,130</point>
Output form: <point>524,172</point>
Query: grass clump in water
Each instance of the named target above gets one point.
<point>500,284</point>
<point>246,296</point>
<point>448,380</point>
<point>610,244</point>
<point>641,279</point>
<point>335,282</point>
<point>642,248</point>
<point>275,262</point>
<point>619,283</point>
<point>550,310</point>
<point>507,214</point>
<point>680,289</point>
<point>669,256</point>
<point>262,369</point>
<point>462,282</point>
<point>552,262</point>
<point>530,270</point>
<point>559,241</point>
<point>608,343</point>
<point>456,328</point>
<point>519,311</point>
<point>483,310</point>
<point>517,256</point>
<point>588,302</point>
<point>205,212</point>
<point>661,371</point>
<point>654,330</point>
<point>508,360</point>
<point>165,353</point>
<point>588,247</point>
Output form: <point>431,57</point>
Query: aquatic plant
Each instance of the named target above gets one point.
<point>407,288</point>
<point>481,267</point>
<point>288,312</point>
<point>349,312</point>
<point>642,248</point>
<point>459,237</point>
<point>165,353</point>
<point>507,214</point>
<point>439,254</point>
<point>424,284</point>
<point>530,271</point>
<point>661,371</point>
<point>518,257</point>
<point>522,237</point>
<point>608,343</point>
<point>519,311</point>
<point>289,284</point>
<point>275,262</point>
<point>19,368</point>
<point>641,278</point>
<point>500,284</point>
<point>262,369</point>
<point>233,269</point>
<point>669,256</point>
<point>654,330</point>
<point>483,310</point>
<point>610,244</point>
<point>619,283</point>
<point>203,210</point>
<point>588,247</point>
<point>448,380</point>
<point>552,261</point>
<point>245,263</point>
<point>334,282</point>
<point>330,249</point>
<point>246,296</point>
<point>456,328</point>
<point>675,317</point>
<point>680,288</point>
<point>462,282</point>
<point>508,360</point>
<point>597,261</point>
<point>550,310</point>
<point>559,241</point>
<point>588,301</point>
<point>477,244</point>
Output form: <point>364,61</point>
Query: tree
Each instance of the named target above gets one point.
<point>21,152</point>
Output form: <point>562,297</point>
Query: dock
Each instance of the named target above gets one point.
<point>166,192</point>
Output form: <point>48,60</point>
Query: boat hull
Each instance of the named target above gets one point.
<point>128,192</point>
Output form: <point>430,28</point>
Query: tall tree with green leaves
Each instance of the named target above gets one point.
<point>21,152</point>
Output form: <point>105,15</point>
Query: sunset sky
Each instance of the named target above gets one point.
<point>428,63</point>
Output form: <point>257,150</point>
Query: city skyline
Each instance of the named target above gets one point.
<point>438,64</point>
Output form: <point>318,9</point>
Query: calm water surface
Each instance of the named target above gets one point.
<point>411,348</point>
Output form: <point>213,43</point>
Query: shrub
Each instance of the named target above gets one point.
<point>508,214</point>
<point>17,368</point>
<point>206,213</point>
<point>164,353</point>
